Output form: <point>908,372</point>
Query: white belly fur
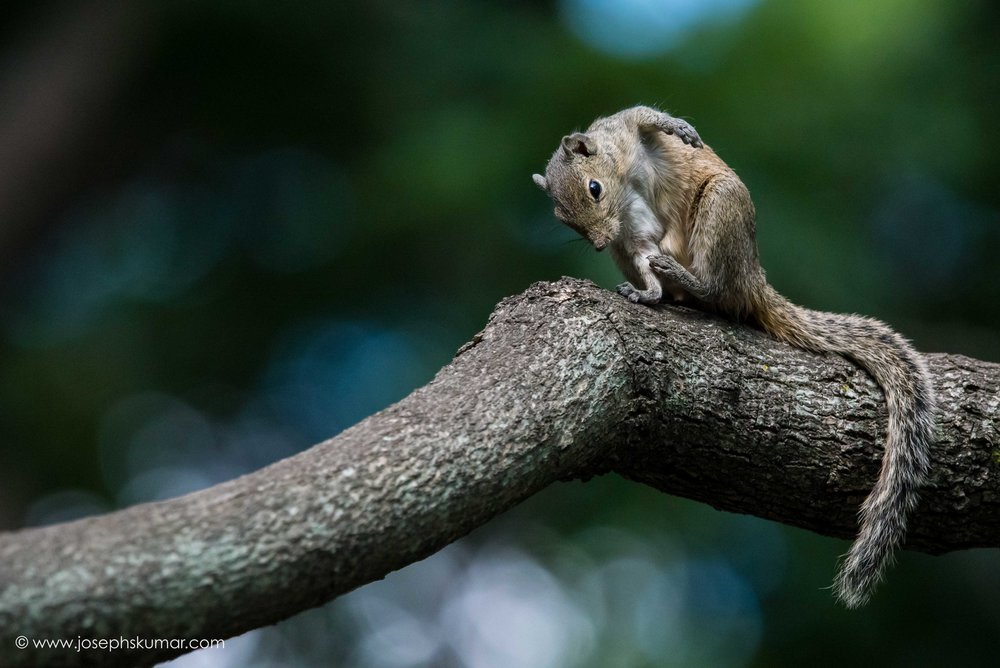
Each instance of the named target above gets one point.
<point>643,234</point>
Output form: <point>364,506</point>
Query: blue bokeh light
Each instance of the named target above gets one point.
<point>325,376</point>
<point>637,29</point>
<point>155,239</point>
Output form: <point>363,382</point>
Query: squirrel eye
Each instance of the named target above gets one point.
<point>595,189</point>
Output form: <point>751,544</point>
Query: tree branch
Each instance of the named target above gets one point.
<point>566,381</point>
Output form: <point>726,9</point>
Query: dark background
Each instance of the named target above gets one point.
<point>231,229</point>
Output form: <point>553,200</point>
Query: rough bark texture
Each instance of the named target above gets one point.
<point>566,380</point>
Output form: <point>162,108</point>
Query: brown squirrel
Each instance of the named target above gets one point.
<point>679,222</point>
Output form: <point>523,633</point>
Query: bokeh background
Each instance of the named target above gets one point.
<point>231,229</point>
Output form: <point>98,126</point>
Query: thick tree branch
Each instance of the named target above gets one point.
<point>567,380</point>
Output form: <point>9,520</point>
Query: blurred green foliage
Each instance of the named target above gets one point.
<point>278,218</point>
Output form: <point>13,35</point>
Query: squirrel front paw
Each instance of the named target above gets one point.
<point>635,295</point>
<point>684,131</point>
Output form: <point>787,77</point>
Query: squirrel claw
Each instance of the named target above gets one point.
<point>628,291</point>
<point>685,132</point>
<point>662,264</point>
<point>636,295</point>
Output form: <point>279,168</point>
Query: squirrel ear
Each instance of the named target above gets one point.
<point>579,143</point>
<point>540,182</point>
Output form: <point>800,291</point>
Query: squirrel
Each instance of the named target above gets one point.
<point>680,223</point>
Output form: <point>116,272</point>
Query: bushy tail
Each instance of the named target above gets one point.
<point>909,393</point>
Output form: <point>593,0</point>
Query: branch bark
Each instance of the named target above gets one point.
<point>566,381</point>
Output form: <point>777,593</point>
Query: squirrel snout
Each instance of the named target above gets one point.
<point>599,240</point>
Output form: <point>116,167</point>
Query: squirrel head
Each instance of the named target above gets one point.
<point>580,179</point>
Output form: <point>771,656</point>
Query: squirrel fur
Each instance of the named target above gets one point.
<point>678,222</point>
